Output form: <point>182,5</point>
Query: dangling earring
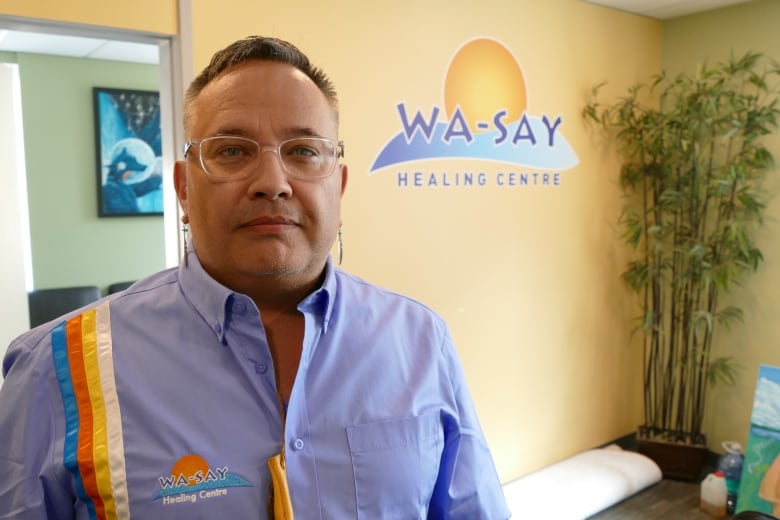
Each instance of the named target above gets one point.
<point>184,230</point>
<point>341,247</point>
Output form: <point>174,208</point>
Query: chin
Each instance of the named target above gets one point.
<point>271,265</point>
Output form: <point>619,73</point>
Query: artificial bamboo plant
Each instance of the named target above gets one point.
<point>694,159</point>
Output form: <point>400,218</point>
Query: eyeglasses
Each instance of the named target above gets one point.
<point>232,157</point>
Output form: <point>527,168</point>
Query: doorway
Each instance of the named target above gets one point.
<point>114,45</point>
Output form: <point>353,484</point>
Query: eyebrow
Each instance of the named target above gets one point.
<point>302,131</point>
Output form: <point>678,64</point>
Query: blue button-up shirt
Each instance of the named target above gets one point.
<point>160,402</point>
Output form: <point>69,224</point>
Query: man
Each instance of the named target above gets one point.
<point>168,400</point>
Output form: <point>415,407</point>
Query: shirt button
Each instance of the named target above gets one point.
<point>298,444</point>
<point>241,308</point>
<point>261,368</point>
<point>217,328</point>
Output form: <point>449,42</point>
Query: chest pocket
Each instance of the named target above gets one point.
<point>395,465</point>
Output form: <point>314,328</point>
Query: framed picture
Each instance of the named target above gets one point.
<point>129,152</point>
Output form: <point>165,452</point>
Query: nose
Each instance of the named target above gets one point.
<point>269,180</point>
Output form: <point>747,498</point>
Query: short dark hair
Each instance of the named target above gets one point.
<point>258,48</point>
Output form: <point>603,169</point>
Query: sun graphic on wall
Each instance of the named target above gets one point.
<point>484,78</point>
<point>483,115</point>
<point>190,466</point>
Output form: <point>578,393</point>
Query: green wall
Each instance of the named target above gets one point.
<point>70,244</point>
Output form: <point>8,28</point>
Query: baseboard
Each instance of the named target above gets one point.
<point>627,442</point>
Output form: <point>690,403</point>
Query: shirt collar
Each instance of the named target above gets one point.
<point>321,301</point>
<point>210,298</point>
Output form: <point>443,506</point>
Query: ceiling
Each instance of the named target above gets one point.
<point>105,49</point>
<point>77,46</point>
<point>665,9</point>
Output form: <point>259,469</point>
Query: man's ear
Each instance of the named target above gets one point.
<point>344,175</point>
<point>180,184</point>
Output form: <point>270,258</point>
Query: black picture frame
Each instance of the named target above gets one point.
<point>128,144</point>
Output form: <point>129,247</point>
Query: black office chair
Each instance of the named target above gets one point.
<point>119,286</point>
<point>753,515</point>
<point>47,304</point>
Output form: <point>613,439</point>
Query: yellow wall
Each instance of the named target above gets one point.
<point>153,16</point>
<point>526,277</point>
<point>712,37</point>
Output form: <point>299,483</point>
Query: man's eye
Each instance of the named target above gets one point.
<point>305,151</point>
<point>232,151</point>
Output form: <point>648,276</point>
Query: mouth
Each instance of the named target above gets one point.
<point>269,224</point>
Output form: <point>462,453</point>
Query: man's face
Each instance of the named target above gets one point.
<point>268,226</point>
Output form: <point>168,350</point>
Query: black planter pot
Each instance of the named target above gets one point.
<point>680,456</point>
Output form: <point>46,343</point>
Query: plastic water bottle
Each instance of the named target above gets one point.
<point>731,465</point>
<point>713,495</point>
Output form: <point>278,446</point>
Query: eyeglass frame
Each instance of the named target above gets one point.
<point>338,152</point>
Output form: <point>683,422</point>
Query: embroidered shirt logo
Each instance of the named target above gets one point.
<point>192,479</point>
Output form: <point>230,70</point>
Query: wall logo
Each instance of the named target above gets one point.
<point>193,479</point>
<point>485,118</point>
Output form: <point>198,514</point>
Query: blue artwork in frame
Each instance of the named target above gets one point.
<point>129,152</point>
<point>759,487</point>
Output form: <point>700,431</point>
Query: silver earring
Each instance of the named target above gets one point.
<point>341,247</point>
<point>184,230</point>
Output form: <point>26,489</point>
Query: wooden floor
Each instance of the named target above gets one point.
<point>667,500</point>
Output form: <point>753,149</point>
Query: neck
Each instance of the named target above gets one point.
<point>272,292</point>
<point>279,295</point>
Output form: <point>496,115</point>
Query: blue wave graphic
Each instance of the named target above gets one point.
<point>559,156</point>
